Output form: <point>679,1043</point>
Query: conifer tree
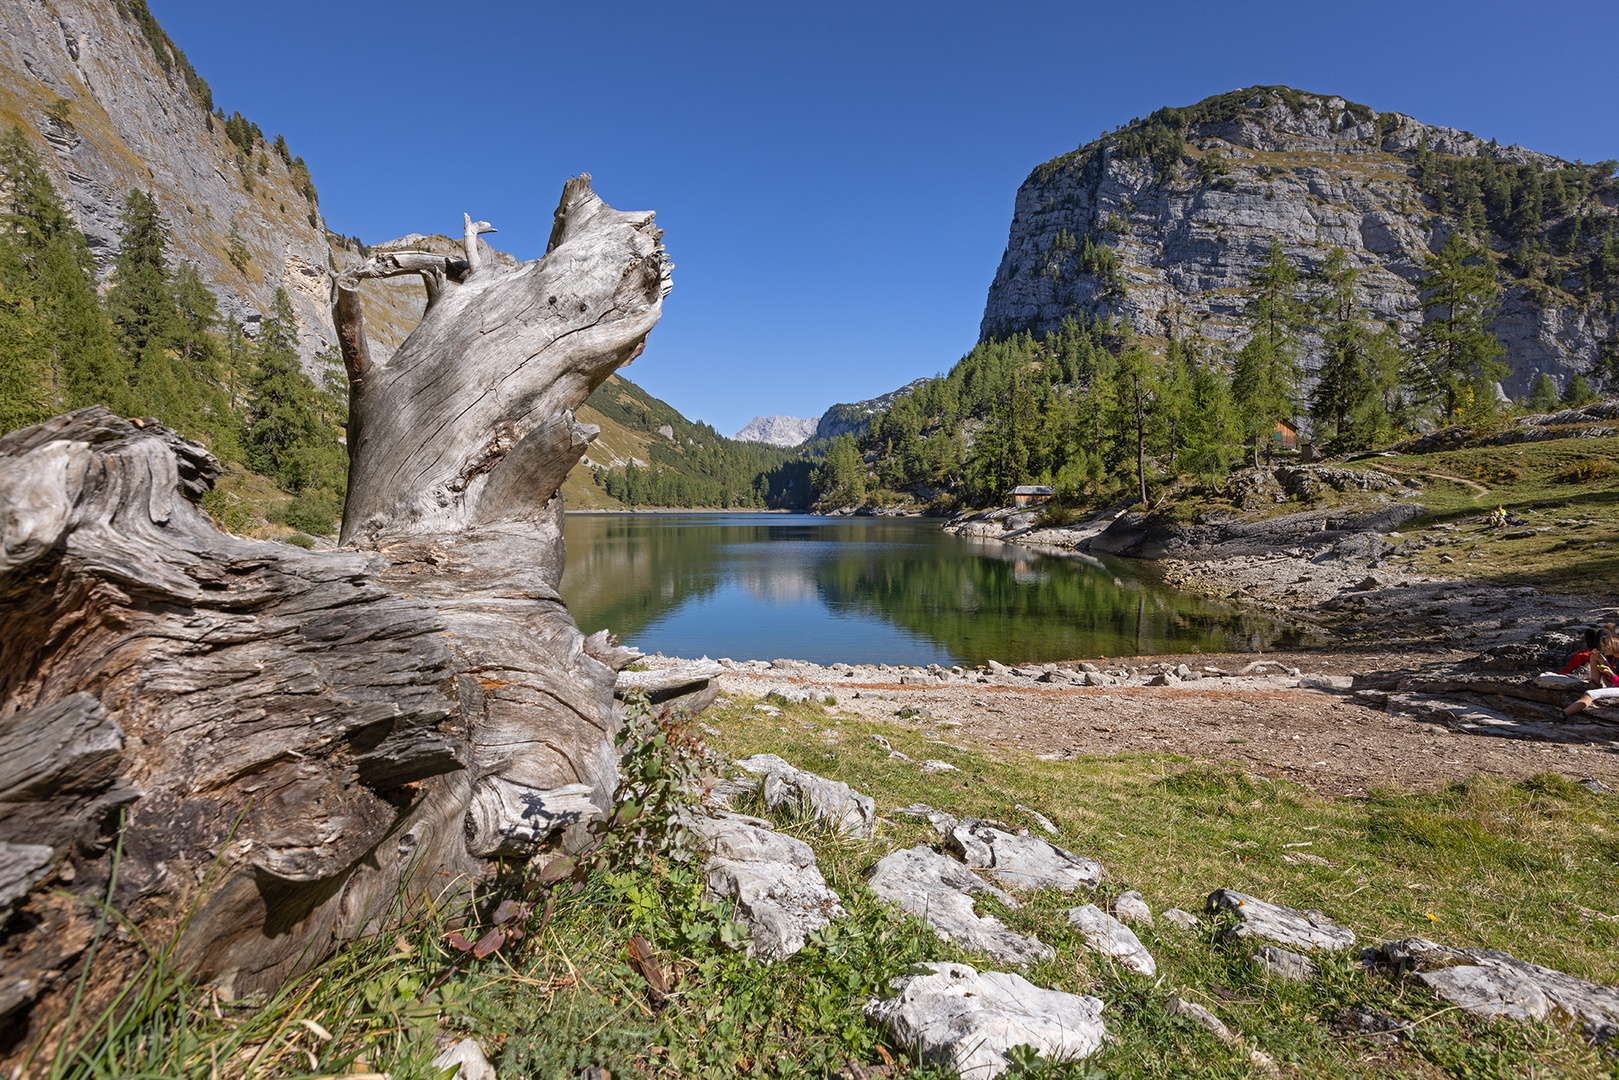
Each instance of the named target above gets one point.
<point>1265,377</point>
<point>59,334</point>
<point>1544,397</point>
<point>282,424</point>
<point>1359,368</point>
<point>1213,429</point>
<point>1456,350</point>
<point>140,302</point>
<point>1133,383</point>
<point>1578,392</point>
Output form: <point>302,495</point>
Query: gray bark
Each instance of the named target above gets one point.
<point>296,741</point>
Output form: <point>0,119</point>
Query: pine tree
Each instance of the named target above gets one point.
<point>1456,350</point>
<point>1359,367</point>
<point>1136,416</point>
<point>1578,392</point>
<point>1544,397</point>
<point>1213,429</point>
<point>58,338</point>
<point>282,423</point>
<point>1265,377</point>
<point>140,302</point>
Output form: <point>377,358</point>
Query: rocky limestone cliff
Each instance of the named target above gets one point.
<point>1313,171</point>
<point>127,122</point>
<point>778,430</point>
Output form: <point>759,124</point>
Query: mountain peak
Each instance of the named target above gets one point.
<point>778,430</point>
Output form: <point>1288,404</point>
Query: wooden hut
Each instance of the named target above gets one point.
<point>1031,495</point>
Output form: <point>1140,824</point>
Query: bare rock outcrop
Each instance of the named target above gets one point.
<point>135,120</point>
<point>1311,171</point>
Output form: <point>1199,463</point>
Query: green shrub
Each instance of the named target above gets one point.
<point>314,511</point>
<point>227,511</point>
<point>1585,470</point>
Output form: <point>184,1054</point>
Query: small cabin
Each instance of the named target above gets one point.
<point>1031,495</point>
<point>1285,437</point>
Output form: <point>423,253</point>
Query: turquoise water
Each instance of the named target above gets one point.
<point>875,590</point>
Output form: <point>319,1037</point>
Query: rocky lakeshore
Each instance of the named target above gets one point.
<point>1340,722</point>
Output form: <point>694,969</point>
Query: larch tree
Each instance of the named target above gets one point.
<point>1359,365</point>
<point>1456,352</point>
<point>1266,373</point>
<point>282,419</point>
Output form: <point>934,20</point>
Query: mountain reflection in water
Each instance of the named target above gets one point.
<point>875,590</point>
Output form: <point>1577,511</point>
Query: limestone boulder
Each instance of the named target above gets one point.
<point>940,890</point>
<point>1305,929</point>
<point>969,1021</point>
<point>831,802</point>
<point>1489,982</point>
<point>1107,936</point>
<point>1021,862</point>
<point>772,879</point>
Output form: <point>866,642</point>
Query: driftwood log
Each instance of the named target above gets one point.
<point>293,741</point>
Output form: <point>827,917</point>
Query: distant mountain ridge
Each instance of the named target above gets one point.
<point>841,419</point>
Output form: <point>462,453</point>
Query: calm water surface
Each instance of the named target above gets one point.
<point>874,590</point>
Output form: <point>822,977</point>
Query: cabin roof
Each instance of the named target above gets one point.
<point>1031,489</point>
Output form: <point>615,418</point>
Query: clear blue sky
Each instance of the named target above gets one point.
<point>835,180</point>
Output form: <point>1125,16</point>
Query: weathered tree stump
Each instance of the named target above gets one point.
<point>297,740</point>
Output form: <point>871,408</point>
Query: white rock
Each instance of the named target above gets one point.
<point>1179,1006</point>
<point>1183,919</point>
<point>942,822</point>
<point>830,802</point>
<point>1038,818</point>
<point>1489,991</point>
<point>1493,983</point>
<point>1022,862</point>
<point>773,880</point>
<point>968,1022</point>
<point>1131,907</point>
<point>1286,965</point>
<point>469,1061</point>
<point>933,765</point>
<point>1326,682</point>
<point>923,882</point>
<point>1108,936</point>
<point>1283,925</point>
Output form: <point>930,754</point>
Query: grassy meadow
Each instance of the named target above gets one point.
<point>1531,868</point>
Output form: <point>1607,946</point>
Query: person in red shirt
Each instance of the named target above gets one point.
<point>1601,660</point>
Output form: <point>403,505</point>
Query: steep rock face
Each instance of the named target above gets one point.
<point>131,123</point>
<point>778,430</point>
<point>1314,172</point>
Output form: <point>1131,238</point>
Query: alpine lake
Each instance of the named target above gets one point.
<point>867,590</point>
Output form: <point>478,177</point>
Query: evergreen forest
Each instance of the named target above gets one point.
<point>695,465</point>
<point>1100,414</point>
<point>154,344</point>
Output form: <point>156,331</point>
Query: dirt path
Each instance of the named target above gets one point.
<point>1475,485</point>
<point>1330,742</point>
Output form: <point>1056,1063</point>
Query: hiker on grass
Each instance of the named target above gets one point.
<point>1601,661</point>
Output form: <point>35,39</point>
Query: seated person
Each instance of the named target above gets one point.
<point>1601,662</point>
